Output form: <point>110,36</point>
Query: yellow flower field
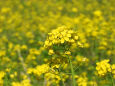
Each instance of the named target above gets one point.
<point>57,42</point>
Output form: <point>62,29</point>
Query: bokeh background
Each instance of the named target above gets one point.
<point>24,27</point>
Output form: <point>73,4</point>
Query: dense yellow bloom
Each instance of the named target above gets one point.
<point>52,78</point>
<point>39,70</point>
<point>61,35</point>
<point>82,81</point>
<point>24,82</point>
<point>103,67</point>
<point>87,36</point>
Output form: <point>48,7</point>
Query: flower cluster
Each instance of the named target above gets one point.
<point>39,70</point>
<point>103,67</point>
<point>52,79</point>
<point>82,81</point>
<point>24,82</point>
<point>60,36</point>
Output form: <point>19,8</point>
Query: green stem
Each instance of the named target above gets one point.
<point>113,84</point>
<point>72,71</point>
<point>61,77</point>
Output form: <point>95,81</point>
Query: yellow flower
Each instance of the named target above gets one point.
<point>103,67</point>
<point>60,36</point>
<point>68,52</point>
<point>39,70</point>
<point>51,52</point>
<point>82,81</point>
<point>24,47</point>
<point>74,9</point>
<point>24,82</point>
<point>12,76</point>
<point>97,13</point>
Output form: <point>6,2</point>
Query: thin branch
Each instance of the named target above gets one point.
<point>23,64</point>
